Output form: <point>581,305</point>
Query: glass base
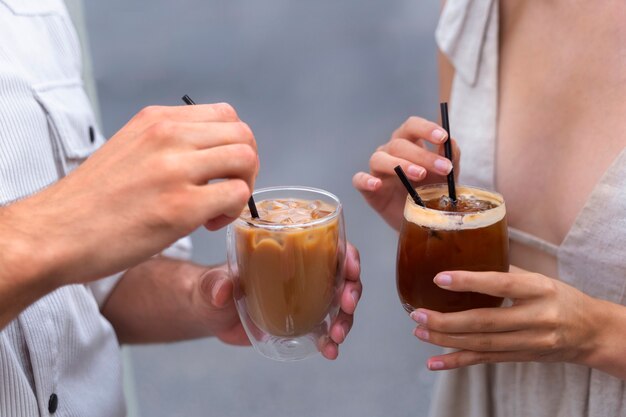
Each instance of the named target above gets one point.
<point>285,348</point>
<point>288,349</point>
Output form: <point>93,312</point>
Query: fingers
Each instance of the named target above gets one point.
<point>414,160</point>
<point>203,135</point>
<point>218,223</point>
<point>235,336</point>
<point>487,342</point>
<point>352,288</point>
<point>225,198</point>
<point>416,128</point>
<point>341,327</point>
<point>329,349</point>
<point>228,161</point>
<point>216,288</point>
<point>498,284</point>
<point>349,300</point>
<point>218,112</point>
<point>474,321</point>
<point>366,183</point>
<point>352,263</point>
<point>466,358</point>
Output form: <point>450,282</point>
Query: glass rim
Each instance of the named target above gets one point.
<point>444,186</point>
<point>270,226</point>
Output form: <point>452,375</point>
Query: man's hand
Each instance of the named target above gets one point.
<point>214,298</point>
<point>150,184</point>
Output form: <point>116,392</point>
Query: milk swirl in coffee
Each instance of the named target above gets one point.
<point>287,261</point>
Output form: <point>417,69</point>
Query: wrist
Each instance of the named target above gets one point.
<point>605,351</point>
<point>23,277</point>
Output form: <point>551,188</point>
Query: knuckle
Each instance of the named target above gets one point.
<point>481,357</point>
<point>246,156</point>
<point>162,130</point>
<point>506,284</point>
<point>395,146</point>
<point>550,319</point>
<point>245,133</point>
<point>550,342</point>
<point>225,111</point>
<point>486,325</point>
<point>549,285</point>
<point>239,191</point>
<point>376,160</point>
<point>173,209</point>
<point>170,166</point>
<point>485,343</point>
<point>413,120</point>
<point>437,323</point>
<point>150,112</point>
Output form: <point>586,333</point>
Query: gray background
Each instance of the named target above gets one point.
<point>322,83</point>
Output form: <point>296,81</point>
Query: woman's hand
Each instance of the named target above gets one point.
<point>407,148</point>
<point>214,299</point>
<point>549,321</point>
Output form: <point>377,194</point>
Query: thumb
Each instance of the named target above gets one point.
<point>217,287</point>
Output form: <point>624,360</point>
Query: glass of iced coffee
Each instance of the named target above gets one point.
<point>470,235</point>
<point>287,269</point>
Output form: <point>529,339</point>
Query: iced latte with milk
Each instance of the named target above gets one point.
<point>288,266</point>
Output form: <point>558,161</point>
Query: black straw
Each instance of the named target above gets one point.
<point>408,186</point>
<point>447,146</point>
<point>251,205</point>
<point>253,211</point>
<point>188,100</point>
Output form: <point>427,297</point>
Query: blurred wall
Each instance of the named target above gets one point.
<point>322,83</point>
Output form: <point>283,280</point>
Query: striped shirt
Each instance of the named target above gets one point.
<point>60,356</point>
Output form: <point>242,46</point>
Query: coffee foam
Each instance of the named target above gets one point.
<point>445,220</point>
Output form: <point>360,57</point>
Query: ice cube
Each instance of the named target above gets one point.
<point>444,203</point>
<point>314,205</point>
<point>319,213</point>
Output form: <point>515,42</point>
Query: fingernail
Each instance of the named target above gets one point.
<point>355,297</point>
<point>415,171</point>
<point>421,333</point>
<point>444,166</point>
<point>419,317</point>
<point>439,135</point>
<point>372,183</point>
<point>216,289</point>
<point>443,280</point>
<point>435,365</point>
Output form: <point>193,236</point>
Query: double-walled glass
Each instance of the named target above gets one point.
<point>432,241</point>
<point>288,276</point>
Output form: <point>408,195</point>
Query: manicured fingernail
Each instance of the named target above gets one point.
<point>444,166</point>
<point>372,183</point>
<point>436,365</point>
<point>355,297</point>
<point>443,280</point>
<point>439,135</point>
<point>421,333</point>
<point>419,317</point>
<point>415,171</point>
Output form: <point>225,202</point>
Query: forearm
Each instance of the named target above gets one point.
<point>159,301</point>
<point>25,275</point>
<point>607,351</point>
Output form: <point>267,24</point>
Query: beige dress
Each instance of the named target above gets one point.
<point>591,258</point>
